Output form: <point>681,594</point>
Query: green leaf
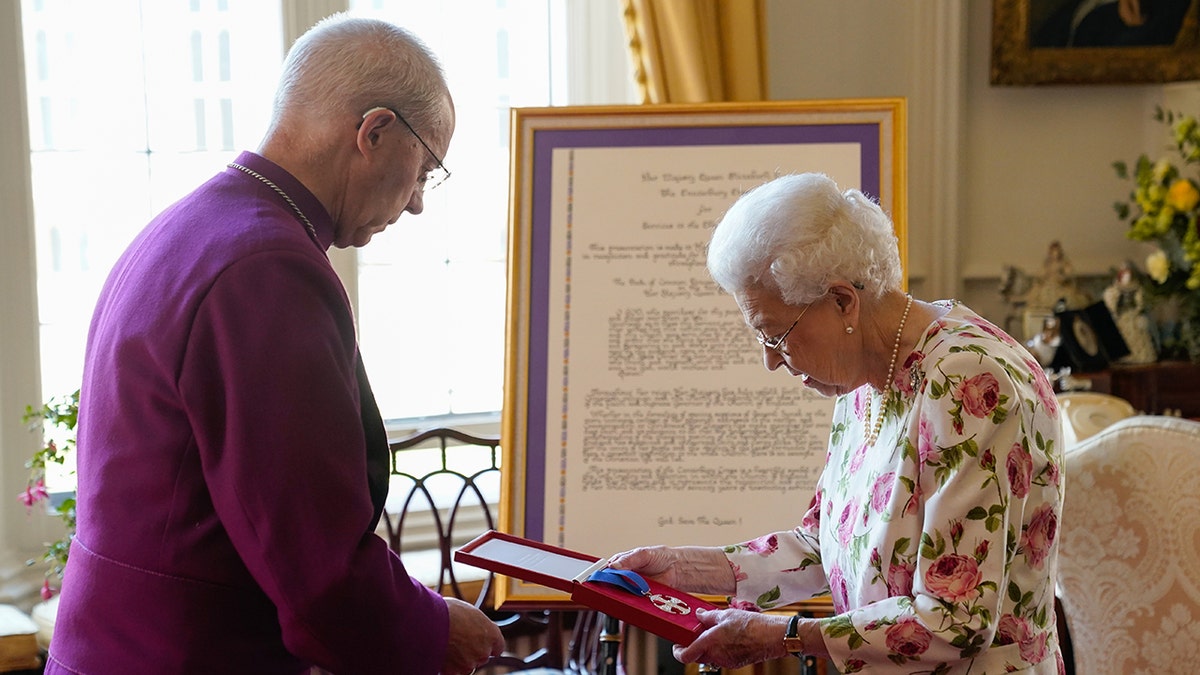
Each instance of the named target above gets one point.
<point>977,513</point>
<point>769,599</point>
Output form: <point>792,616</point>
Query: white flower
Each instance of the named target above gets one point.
<point>1161,168</point>
<point>1158,266</point>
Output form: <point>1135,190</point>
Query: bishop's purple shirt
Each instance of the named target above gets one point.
<point>224,511</point>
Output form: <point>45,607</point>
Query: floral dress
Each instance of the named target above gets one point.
<point>938,543</point>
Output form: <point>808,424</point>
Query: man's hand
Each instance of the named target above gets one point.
<point>474,639</point>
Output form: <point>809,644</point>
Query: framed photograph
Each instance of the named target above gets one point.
<point>637,410</point>
<point>1094,42</point>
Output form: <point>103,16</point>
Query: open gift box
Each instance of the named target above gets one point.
<point>659,609</point>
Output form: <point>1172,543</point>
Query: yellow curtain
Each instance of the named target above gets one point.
<point>696,51</point>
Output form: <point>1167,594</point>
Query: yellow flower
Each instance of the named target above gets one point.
<point>1158,266</point>
<point>1182,195</point>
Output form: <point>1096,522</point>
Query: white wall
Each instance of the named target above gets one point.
<point>1028,164</point>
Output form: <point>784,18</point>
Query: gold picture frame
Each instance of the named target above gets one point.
<point>616,332</point>
<point>1033,43</point>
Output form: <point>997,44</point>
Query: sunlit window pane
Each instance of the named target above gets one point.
<point>431,288</point>
<point>125,98</point>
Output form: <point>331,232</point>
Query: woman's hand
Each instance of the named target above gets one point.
<point>734,638</point>
<point>696,569</point>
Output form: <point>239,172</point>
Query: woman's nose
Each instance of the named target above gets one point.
<point>771,358</point>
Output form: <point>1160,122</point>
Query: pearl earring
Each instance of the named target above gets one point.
<point>849,330</point>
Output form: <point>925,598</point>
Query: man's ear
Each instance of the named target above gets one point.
<point>370,131</point>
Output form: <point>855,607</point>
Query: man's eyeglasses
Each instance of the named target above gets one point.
<point>432,178</point>
<point>776,343</point>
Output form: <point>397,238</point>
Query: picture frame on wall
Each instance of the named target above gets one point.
<point>1041,42</point>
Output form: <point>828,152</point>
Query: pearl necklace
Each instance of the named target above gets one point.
<point>312,231</point>
<point>874,435</point>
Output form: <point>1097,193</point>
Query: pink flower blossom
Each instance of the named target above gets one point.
<point>1034,649</point>
<point>1020,470</point>
<point>744,604</point>
<point>857,458</point>
<point>854,666</point>
<point>1051,473</point>
<point>837,590</point>
<point>881,491</point>
<point>979,394</point>
<point>1041,385</point>
<point>987,461</point>
<point>900,579</point>
<point>812,517</point>
<point>846,522</point>
<point>926,449</point>
<point>1038,537</point>
<point>738,574</point>
<point>860,404</point>
<point>908,637</point>
<point>764,545</point>
<point>47,592</point>
<point>954,578</point>
<point>1016,630</point>
<point>1012,630</point>
<point>33,493</point>
<point>914,502</point>
<point>981,551</point>
<point>991,329</point>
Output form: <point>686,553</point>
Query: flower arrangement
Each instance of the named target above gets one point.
<point>56,421</point>
<point>1163,209</point>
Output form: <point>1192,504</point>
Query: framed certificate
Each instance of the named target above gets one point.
<point>637,409</point>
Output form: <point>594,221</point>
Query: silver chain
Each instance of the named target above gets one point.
<point>312,231</point>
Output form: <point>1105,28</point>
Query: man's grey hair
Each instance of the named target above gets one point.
<point>348,64</point>
<point>800,233</point>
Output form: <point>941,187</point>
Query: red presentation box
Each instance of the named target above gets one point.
<point>664,611</point>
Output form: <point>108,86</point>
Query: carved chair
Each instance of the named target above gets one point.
<point>444,486</point>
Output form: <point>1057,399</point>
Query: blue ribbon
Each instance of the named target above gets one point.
<point>626,579</point>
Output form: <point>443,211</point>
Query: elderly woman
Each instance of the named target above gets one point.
<point>933,524</point>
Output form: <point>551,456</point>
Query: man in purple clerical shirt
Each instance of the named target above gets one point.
<point>232,461</point>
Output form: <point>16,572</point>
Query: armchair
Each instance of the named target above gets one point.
<point>1129,556</point>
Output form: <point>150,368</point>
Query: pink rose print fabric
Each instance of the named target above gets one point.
<point>938,544</point>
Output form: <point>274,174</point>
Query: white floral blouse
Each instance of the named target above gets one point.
<point>939,543</point>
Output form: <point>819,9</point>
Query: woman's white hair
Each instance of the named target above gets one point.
<point>800,233</point>
<point>348,64</point>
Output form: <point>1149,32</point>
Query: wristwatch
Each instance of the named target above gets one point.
<point>791,639</point>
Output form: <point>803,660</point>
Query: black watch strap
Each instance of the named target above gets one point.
<point>791,639</point>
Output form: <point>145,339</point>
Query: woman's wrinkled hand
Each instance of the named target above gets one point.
<point>734,638</point>
<point>696,569</point>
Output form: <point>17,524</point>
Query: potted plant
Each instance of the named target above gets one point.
<point>55,420</point>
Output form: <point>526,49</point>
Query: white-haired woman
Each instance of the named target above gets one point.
<point>934,522</point>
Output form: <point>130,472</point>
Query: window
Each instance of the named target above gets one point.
<point>123,121</point>
<point>432,288</point>
<point>133,103</point>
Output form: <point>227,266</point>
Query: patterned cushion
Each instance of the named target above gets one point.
<point>1129,553</point>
